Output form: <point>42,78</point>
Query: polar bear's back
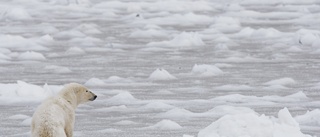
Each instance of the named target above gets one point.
<point>48,120</point>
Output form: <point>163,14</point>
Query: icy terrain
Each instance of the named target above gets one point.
<point>170,68</point>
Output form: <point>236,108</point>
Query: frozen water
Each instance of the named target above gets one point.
<point>254,58</point>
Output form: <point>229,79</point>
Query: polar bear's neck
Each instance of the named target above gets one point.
<point>70,97</point>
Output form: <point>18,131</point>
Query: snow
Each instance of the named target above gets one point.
<point>165,68</point>
<point>254,125</point>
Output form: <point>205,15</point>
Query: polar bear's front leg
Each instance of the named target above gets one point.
<point>69,129</point>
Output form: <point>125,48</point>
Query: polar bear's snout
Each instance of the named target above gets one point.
<point>93,97</point>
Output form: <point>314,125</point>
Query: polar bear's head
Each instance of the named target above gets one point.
<point>77,93</point>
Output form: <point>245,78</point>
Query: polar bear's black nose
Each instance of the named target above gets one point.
<point>93,98</point>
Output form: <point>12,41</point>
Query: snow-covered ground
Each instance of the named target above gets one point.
<point>170,68</point>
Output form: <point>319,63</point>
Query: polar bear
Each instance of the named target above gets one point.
<point>55,116</point>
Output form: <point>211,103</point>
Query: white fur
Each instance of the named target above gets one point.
<point>55,116</point>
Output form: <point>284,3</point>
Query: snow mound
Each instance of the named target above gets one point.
<point>27,122</point>
<point>16,14</point>
<point>281,81</point>
<point>230,110</point>
<point>157,106</point>
<point>117,79</point>
<point>161,74</point>
<point>19,43</point>
<point>307,37</point>
<point>31,55</point>
<point>258,33</point>
<point>75,51</point>
<point>177,113</point>
<point>95,82</point>
<point>25,92</point>
<point>183,40</point>
<point>206,70</point>
<point>254,125</point>
<point>122,98</point>
<point>311,118</point>
<point>166,125</point>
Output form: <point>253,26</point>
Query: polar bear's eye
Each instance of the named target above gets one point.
<point>87,91</point>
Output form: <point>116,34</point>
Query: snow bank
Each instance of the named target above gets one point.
<point>25,92</point>
<point>206,70</point>
<point>166,125</point>
<point>31,55</point>
<point>161,74</point>
<point>254,125</point>
<point>185,39</point>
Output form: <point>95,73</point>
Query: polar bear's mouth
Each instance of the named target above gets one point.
<point>93,98</point>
